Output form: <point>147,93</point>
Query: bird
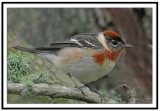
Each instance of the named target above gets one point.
<point>86,57</point>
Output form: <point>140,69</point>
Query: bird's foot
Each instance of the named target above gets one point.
<point>80,88</point>
<point>95,91</point>
<point>101,96</point>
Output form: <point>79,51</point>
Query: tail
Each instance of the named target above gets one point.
<point>26,49</point>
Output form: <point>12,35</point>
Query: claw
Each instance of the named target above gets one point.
<point>95,91</point>
<point>80,88</point>
<point>102,97</point>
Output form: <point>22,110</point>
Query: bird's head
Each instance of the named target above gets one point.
<point>111,41</point>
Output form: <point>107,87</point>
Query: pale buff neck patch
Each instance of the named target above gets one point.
<point>102,40</point>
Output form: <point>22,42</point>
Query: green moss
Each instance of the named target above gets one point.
<point>29,89</point>
<point>31,79</point>
<point>119,99</point>
<point>43,77</point>
<point>18,66</point>
<point>19,71</point>
<point>112,95</point>
<point>61,100</point>
<point>28,81</point>
<point>17,99</point>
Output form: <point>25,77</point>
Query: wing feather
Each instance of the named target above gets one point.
<point>87,40</point>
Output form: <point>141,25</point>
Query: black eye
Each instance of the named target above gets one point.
<point>114,42</point>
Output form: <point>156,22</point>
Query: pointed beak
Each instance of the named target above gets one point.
<point>128,46</point>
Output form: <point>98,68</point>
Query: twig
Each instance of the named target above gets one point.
<point>130,91</point>
<point>58,92</point>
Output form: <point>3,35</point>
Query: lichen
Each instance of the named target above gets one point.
<point>18,66</point>
<point>19,71</point>
<point>43,77</point>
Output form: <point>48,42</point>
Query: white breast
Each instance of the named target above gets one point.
<point>89,71</point>
<point>85,69</point>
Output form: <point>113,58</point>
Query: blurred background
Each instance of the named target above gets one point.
<point>34,27</point>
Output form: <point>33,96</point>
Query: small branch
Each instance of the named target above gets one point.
<point>59,92</point>
<point>130,91</point>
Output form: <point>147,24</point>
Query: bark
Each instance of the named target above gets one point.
<point>59,92</point>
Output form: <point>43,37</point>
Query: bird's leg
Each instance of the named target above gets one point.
<point>95,91</point>
<point>76,86</point>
